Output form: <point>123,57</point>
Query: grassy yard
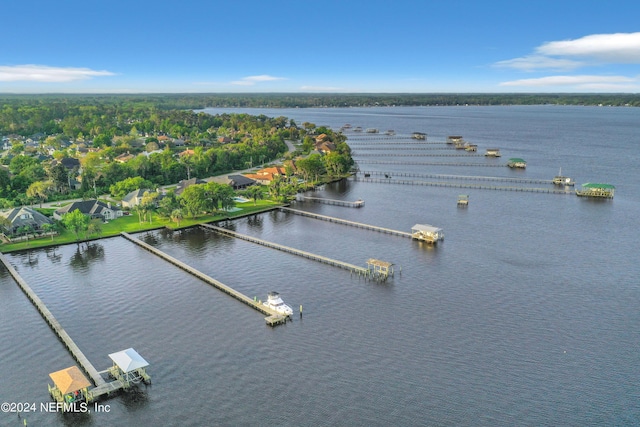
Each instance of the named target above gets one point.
<point>131,224</point>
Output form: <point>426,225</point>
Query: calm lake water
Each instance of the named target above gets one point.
<point>527,313</point>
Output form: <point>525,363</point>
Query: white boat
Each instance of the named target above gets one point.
<point>562,180</point>
<point>274,302</point>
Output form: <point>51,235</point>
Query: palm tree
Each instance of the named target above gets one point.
<point>176,216</point>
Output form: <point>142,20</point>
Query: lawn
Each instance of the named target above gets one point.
<point>131,224</point>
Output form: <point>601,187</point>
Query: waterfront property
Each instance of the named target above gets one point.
<point>419,136</point>
<point>23,219</point>
<point>493,152</point>
<point>596,190</point>
<point>427,233</point>
<point>92,208</point>
<point>463,200</point>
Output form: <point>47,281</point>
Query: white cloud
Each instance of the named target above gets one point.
<point>535,62</point>
<point>251,80</point>
<point>595,49</point>
<point>619,48</point>
<point>592,82</point>
<point>46,74</point>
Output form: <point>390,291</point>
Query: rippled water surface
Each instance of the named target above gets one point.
<point>527,313</point>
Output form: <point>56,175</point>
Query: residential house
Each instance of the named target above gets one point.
<point>266,175</point>
<point>93,208</point>
<point>186,183</point>
<point>237,182</point>
<point>325,147</point>
<point>134,198</point>
<point>24,217</point>
<point>224,139</point>
<point>124,157</point>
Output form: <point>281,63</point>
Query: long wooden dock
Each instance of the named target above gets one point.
<point>466,154</point>
<point>351,267</point>
<point>462,185</point>
<point>77,354</point>
<point>459,177</point>
<point>356,204</point>
<point>346,222</point>
<point>205,278</point>
<point>412,163</point>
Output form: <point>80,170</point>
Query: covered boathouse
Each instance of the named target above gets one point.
<point>596,190</point>
<point>129,367</point>
<point>427,233</point>
<point>69,386</point>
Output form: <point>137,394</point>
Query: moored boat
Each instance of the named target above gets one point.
<point>274,302</point>
<point>562,180</point>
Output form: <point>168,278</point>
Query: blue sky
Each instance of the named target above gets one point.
<point>418,46</point>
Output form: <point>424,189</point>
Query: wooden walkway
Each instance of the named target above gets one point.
<point>410,163</point>
<point>346,222</point>
<point>461,185</point>
<point>351,267</point>
<point>55,326</point>
<point>200,275</point>
<point>356,204</point>
<point>460,177</point>
<point>387,147</point>
<point>460,154</point>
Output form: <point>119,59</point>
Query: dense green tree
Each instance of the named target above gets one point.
<point>122,188</point>
<point>76,222</point>
<point>194,200</point>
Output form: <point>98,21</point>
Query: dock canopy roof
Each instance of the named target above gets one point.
<point>594,185</point>
<point>69,380</point>
<point>378,263</point>
<point>426,228</point>
<point>128,360</point>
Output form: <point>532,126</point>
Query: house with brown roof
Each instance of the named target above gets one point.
<point>326,147</point>
<point>266,175</point>
<point>124,157</point>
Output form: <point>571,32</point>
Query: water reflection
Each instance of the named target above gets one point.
<point>255,221</point>
<point>85,254</point>
<point>53,255</point>
<point>32,259</point>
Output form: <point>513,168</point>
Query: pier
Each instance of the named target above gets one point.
<point>357,204</point>
<point>102,387</point>
<point>367,273</point>
<point>274,315</point>
<point>346,222</point>
<point>462,185</point>
<point>410,163</point>
<point>461,177</point>
<point>77,354</point>
<point>357,155</point>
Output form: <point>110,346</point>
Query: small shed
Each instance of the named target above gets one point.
<point>427,233</point>
<point>463,200</point>
<point>380,269</point>
<point>69,385</point>
<point>516,162</point>
<point>129,367</point>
